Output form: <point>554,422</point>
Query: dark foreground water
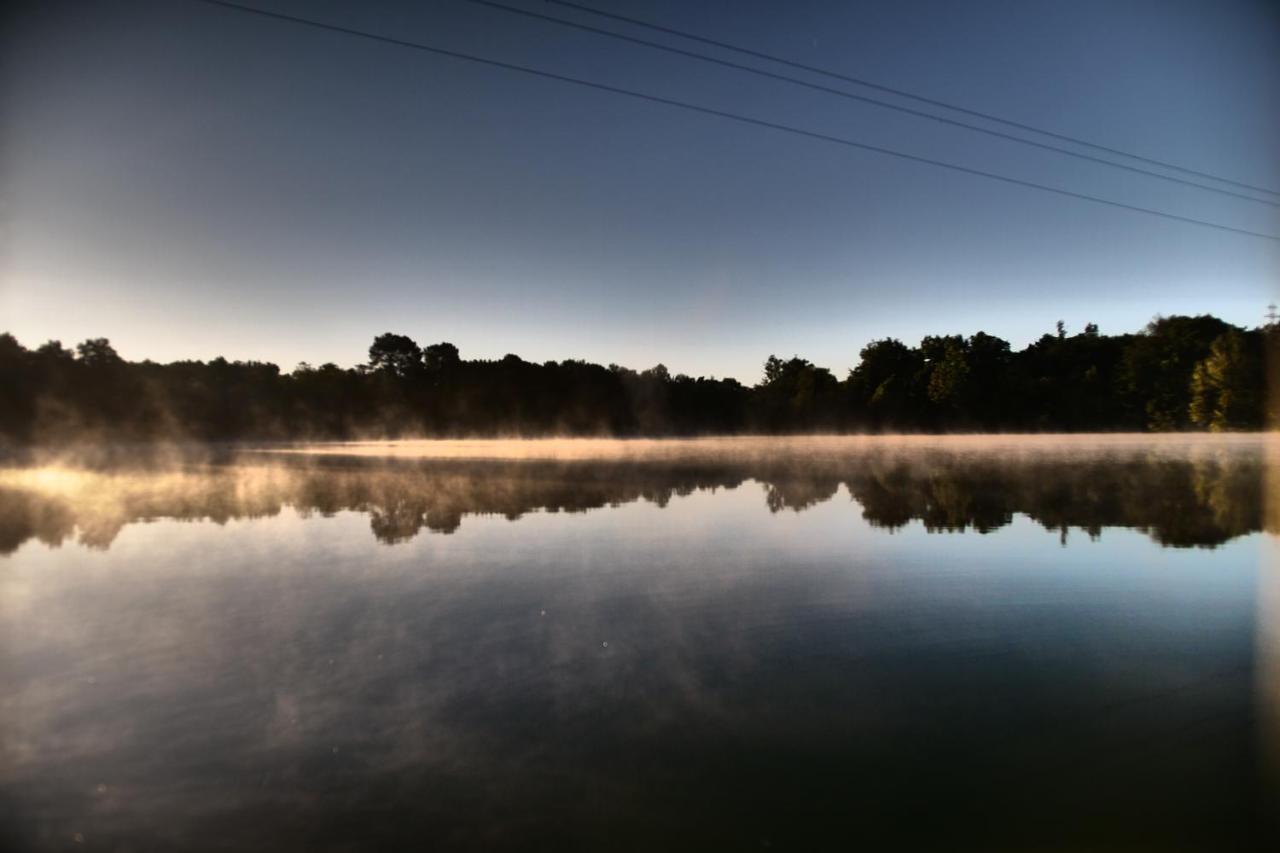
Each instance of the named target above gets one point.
<point>757,645</point>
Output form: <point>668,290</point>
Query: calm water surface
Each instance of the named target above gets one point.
<point>1023,644</point>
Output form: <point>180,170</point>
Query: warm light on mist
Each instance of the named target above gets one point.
<point>639,449</point>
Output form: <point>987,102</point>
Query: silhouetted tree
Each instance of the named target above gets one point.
<point>1179,373</point>
<point>398,355</point>
<point>795,394</point>
<point>441,357</point>
<point>884,386</point>
<point>97,353</point>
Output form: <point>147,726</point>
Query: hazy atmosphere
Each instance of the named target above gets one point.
<point>636,425</point>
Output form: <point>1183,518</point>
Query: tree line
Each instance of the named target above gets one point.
<point>1178,373</point>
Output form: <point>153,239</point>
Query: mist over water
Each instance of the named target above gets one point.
<point>1181,490</point>
<point>809,643</point>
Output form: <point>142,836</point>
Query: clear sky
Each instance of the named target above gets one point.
<point>191,181</point>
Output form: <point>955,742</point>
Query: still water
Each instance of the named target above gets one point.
<point>1021,644</point>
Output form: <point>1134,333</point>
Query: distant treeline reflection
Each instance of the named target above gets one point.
<point>1179,373</point>
<point>1202,501</point>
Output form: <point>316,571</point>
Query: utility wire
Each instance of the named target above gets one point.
<point>903,94</point>
<point>702,57</point>
<point>524,69</point>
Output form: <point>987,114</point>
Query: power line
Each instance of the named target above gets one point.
<point>702,57</point>
<point>590,84</point>
<point>905,94</point>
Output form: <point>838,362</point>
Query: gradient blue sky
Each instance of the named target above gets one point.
<point>190,181</point>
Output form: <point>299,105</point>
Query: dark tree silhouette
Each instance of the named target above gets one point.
<point>395,354</point>
<point>441,358</point>
<point>1178,373</point>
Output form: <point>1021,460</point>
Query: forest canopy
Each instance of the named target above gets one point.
<point>1179,373</point>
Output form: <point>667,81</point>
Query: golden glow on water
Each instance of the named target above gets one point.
<point>757,446</point>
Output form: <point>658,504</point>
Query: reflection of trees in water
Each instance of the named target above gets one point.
<point>798,493</point>
<point>28,514</point>
<point>1180,502</point>
<point>1201,499</point>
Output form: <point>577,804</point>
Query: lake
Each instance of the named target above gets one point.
<point>1007,643</point>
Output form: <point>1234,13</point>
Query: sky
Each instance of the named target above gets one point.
<point>192,181</point>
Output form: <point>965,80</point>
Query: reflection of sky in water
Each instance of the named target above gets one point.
<point>709,673</point>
